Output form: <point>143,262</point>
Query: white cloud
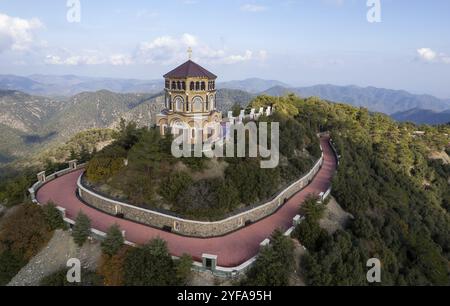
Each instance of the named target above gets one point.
<point>172,50</point>
<point>90,59</point>
<point>120,60</point>
<point>165,50</point>
<point>429,55</point>
<point>17,34</point>
<point>253,8</point>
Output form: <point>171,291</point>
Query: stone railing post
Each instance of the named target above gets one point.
<point>73,164</point>
<point>41,177</point>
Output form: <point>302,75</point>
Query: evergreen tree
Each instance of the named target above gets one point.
<point>150,265</point>
<point>81,229</point>
<point>113,242</point>
<point>53,217</point>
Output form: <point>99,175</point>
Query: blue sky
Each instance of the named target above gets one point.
<point>301,42</point>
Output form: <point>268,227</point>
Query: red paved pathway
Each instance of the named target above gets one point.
<point>232,249</point>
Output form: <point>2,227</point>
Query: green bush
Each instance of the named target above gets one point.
<point>54,217</point>
<point>82,229</point>
<point>150,265</point>
<point>113,242</point>
<point>273,266</point>
<point>10,265</point>
<point>183,268</point>
<point>310,234</point>
<point>59,279</point>
<point>173,185</point>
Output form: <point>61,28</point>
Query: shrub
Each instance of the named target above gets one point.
<point>111,268</point>
<point>183,268</point>
<point>173,185</point>
<point>312,209</point>
<point>59,279</point>
<point>82,229</point>
<point>25,231</point>
<point>53,217</point>
<point>310,234</point>
<point>113,241</point>
<point>274,263</point>
<point>10,265</point>
<point>149,265</point>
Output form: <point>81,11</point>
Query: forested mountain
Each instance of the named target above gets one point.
<point>24,112</point>
<point>423,116</point>
<point>102,109</point>
<point>382,100</point>
<point>226,98</point>
<point>28,123</point>
<point>400,200</point>
<point>68,85</point>
<point>252,85</point>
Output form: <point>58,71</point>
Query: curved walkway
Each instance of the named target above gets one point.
<point>232,249</point>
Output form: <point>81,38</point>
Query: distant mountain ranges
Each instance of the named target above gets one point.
<point>38,110</point>
<point>423,116</point>
<point>69,85</point>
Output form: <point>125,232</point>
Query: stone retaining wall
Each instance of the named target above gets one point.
<point>190,227</point>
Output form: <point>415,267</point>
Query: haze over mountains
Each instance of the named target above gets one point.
<point>39,109</point>
<point>69,85</point>
<point>423,116</point>
<point>387,101</point>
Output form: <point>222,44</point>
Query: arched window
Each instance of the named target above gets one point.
<point>177,127</point>
<point>167,84</point>
<point>178,85</point>
<point>197,85</point>
<point>178,101</point>
<point>203,85</point>
<point>192,86</point>
<point>183,85</point>
<point>174,85</point>
<point>197,104</point>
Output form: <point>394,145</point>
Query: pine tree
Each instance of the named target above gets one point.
<point>113,241</point>
<point>53,217</point>
<point>82,229</point>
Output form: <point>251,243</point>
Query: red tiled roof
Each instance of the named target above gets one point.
<point>190,69</point>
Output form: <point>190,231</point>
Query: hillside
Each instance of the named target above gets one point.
<point>29,123</point>
<point>423,116</point>
<point>398,196</point>
<point>99,110</point>
<point>252,85</point>
<point>226,98</point>
<point>382,100</point>
<point>68,85</point>
<point>24,112</point>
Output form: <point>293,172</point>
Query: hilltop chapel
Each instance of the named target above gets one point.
<point>190,103</point>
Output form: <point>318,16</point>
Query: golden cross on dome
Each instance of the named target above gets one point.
<point>189,51</point>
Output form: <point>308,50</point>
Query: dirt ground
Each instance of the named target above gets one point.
<point>335,217</point>
<point>296,277</point>
<point>54,257</point>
